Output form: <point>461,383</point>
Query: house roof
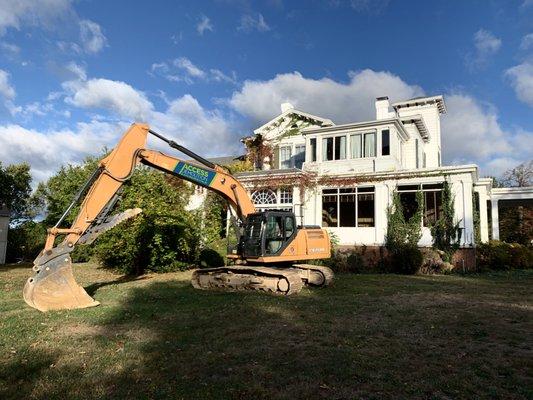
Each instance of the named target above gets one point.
<point>420,101</point>
<point>226,160</point>
<point>290,112</point>
<point>419,123</point>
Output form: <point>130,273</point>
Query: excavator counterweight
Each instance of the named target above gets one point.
<point>270,247</point>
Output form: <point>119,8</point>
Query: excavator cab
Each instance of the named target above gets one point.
<point>267,234</point>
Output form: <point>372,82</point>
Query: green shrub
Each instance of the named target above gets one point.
<point>501,256</point>
<point>406,259</point>
<point>210,258</point>
<point>348,261</point>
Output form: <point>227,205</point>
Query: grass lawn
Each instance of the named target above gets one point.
<point>368,336</point>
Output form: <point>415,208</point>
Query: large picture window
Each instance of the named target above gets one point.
<point>432,201</point>
<point>348,207</point>
<point>363,145</point>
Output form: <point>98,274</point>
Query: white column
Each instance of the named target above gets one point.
<point>483,216</point>
<point>468,213</point>
<point>495,220</point>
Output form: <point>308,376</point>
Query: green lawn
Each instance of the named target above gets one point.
<point>368,336</point>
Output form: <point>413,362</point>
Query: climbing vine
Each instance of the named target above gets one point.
<point>446,233</point>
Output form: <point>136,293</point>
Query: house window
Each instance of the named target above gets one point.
<point>370,144</point>
<point>265,196</point>
<point>432,201</point>
<point>385,142</point>
<point>363,145</point>
<point>355,146</point>
<point>312,145</point>
<point>285,196</point>
<point>285,154</point>
<point>334,148</point>
<point>299,156</point>
<point>424,160</point>
<point>348,207</point>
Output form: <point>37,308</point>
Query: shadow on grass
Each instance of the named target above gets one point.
<point>358,339</point>
<point>93,288</point>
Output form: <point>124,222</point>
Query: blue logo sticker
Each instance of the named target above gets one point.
<point>196,174</point>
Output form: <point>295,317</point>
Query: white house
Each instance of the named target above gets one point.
<point>342,177</point>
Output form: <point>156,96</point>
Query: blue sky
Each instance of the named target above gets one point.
<point>74,74</point>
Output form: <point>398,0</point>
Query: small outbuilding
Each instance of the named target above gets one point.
<point>4,227</point>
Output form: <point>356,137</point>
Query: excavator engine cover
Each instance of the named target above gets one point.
<point>53,287</point>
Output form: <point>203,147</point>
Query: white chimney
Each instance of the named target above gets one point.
<point>286,107</point>
<point>382,108</point>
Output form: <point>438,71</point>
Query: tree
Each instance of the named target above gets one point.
<point>446,233</point>
<point>519,176</point>
<point>15,191</point>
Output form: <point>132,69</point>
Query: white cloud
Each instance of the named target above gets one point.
<point>207,132</point>
<point>204,25</point>
<point>48,150</point>
<point>184,70</point>
<point>471,132</point>
<point>7,91</point>
<point>189,68</point>
<point>521,78</point>
<point>9,48</point>
<point>114,96</point>
<point>527,42</point>
<point>342,102</point>
<point>249,23</point>
<point>486,45</point>
<point>91,36</point>
<point>43,13</point>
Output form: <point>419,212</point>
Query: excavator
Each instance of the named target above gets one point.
<point>267,258</point>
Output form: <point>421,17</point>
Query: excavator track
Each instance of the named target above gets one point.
<point>280,281</point>
<point>314,275</point>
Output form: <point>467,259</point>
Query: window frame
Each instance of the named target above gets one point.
<point>351,191</point>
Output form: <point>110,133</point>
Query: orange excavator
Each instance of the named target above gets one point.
<point>268,257</point>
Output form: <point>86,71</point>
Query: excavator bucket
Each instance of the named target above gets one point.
<point>53,287</point>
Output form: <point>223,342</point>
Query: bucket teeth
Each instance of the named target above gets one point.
<point>53,287</point>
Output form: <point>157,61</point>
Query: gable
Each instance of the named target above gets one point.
<point>290,123</point>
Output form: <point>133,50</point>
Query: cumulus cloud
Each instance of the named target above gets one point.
<point>204,25</point>
<point>521,78</point>
<point>48,150</point>
<point>43,13</point>
<point>250,23</point>
<point>91,36</point>
<point>342,102</point>
<point>105,94</point>
<point>7,91</point>
<point>486,45</point>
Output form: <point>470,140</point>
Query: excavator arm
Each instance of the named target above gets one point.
<point>53,286</point>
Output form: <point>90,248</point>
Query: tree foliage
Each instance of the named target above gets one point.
<point>445,231</point>
<point>15,190</point>
<point>403,236</point>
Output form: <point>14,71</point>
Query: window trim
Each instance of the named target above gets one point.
<point>355,193</point>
